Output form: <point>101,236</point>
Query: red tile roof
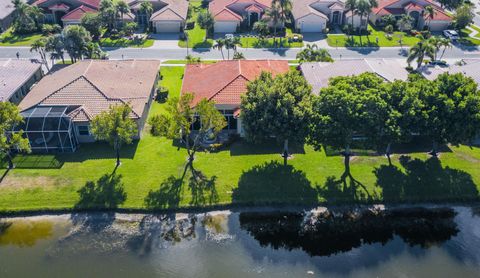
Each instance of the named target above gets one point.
<point>78,13</point>
<point>384,9</point>
<point>58,7</point>
<point>45,3</point>
<point>413,6</point>
<point>254,8</point>
<point>225,81</point>
<point>221,11</point>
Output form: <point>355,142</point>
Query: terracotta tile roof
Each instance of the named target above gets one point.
<point>413,6</point>
<point>13,74</point>
<point>440,15</point>
<point>254,8</point>
<point>318,74</point>
<point>95,85</point>
<point>225,81</point>
<point>221,11</point>
<point>384,9</point>
<point>78,13</point>
<point>174,10</point>
<point>46,3</point>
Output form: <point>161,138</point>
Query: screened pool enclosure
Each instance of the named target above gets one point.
<point>49,129</point>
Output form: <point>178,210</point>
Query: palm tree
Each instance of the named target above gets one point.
<point>231,43</point>
<point>122,8</point>
<point>405,22</point>
<point>55,45</point>
<point>285,8</point>
<point>147,9</point>
<point>430,13</point>
<point>275,16</point>
<point>363,9</point>
<point>422,48</point>
<point>445,43</point>
<point>219,44</point>
<point>352,6</point>
<point>39,47</point>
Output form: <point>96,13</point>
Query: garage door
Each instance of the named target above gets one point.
<point>225,27</point>
<point>310,27</point>
<point>437,26</point>
<point>167,27</point>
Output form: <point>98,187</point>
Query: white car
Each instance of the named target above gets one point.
<point>451,34</point>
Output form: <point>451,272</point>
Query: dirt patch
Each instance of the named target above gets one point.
<point>19,182</point>
<point>467,157</point>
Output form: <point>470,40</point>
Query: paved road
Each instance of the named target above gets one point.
<point>166,54</point>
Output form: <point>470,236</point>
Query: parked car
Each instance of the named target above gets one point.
<point>440,63</point>
<point>229,36</point>
<point>451,34</point>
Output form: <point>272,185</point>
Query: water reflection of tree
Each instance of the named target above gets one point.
<point>330,233</point>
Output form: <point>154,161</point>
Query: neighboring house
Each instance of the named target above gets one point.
<point>66,11</point>
<point>416,9</point>
<point>17,77</point>
<point>6,14</point>
<point>468,67</point>
<point>314,15</point>
<point>171,18</point>
<point>60,107</point>
<point>229,14</point>
<point>318,74</point>
<point>224,82</point>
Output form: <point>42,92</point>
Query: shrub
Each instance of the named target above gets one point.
<point>158,125</point>
<point>49,29</point>
<point>162,94</point>
<point>190,25</point>
<point>294,37</point>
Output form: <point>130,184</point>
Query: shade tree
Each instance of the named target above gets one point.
<point>11,141</point>
<point>277,107</point>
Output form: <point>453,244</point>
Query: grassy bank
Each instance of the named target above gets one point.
<point>8,38</point>
<point>342,40</point>
<point>240,173</point>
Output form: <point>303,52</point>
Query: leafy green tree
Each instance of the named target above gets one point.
<point>389,30</point>
<point>405,23</point>
<point>122,8</point>
<point>108,14</point>
<point>50,29</point>
<point>389,19</point>
<point>238,56</point>
<point>177,124</point>
<point>463,16</point>
<point>9,118</point>
<point>438,42</point>
<point>451,4</point>
<point>27,17</point>
<point>453,109</point>
<point>39,46</point>
<point>92,22</point>
<point>93,51</point>
<point>76,39</point>
<point>116,127</point>
<point>311,53</point>
<point>56,46</point>
<point>422,48</point>
<point>277,107</point>
<point>348,107</point>
<point>129,28</point>
<point>205,20</point>
<point>261,28</point>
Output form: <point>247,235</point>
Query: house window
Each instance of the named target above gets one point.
<point>83,130</point>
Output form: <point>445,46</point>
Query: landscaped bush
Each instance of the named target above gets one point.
<point>294,37</point>
<point>190,25</point>
<point>49,29</point>
<point>162,94</point>
<point>157,124</point>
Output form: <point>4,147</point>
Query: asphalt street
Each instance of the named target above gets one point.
<point>456,52</point>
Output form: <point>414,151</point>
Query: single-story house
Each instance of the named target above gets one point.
<point>318,74</point>
<point>416,9</point>
<point>170,18</point>
<point>229,14</point>
<point>60,107</point>
<point>468,67</point>
<point>6,14</point>
<point>224,82</point>
<point>17,76</point>
<point>66,11</point>
<point>313,15</point>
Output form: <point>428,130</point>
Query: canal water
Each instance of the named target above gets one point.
<point>414,242</point>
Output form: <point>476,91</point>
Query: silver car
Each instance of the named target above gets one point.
<point>451,34</point>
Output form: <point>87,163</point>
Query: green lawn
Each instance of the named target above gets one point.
<point>254,42</point>
<point>10,39</point>
<point>183,62</point>
<point>197,35</point>
<point>241,173</point>
<point>123,42</point>
<point>342,40</point>
<point>466,39</point>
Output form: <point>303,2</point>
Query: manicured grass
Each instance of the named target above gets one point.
<point>255,42</point>
<point>123,42</point>
<point>240,173</point>
<point>8,38</point>
<point>342,40</point>
<point>466,39</point>
<point>197,35</point>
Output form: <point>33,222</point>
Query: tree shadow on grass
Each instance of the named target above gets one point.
<point>203,190</point>
<point>106,193</point>
<point>274,183</point>
<point>345,189</point>
<point>424,181</point>
<point>243,147</point>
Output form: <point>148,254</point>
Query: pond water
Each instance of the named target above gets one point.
<point>420,242</point>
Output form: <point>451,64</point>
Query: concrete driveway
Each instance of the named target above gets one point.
<point>165,41</point>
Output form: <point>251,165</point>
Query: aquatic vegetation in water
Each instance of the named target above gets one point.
<point>25,233</point>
